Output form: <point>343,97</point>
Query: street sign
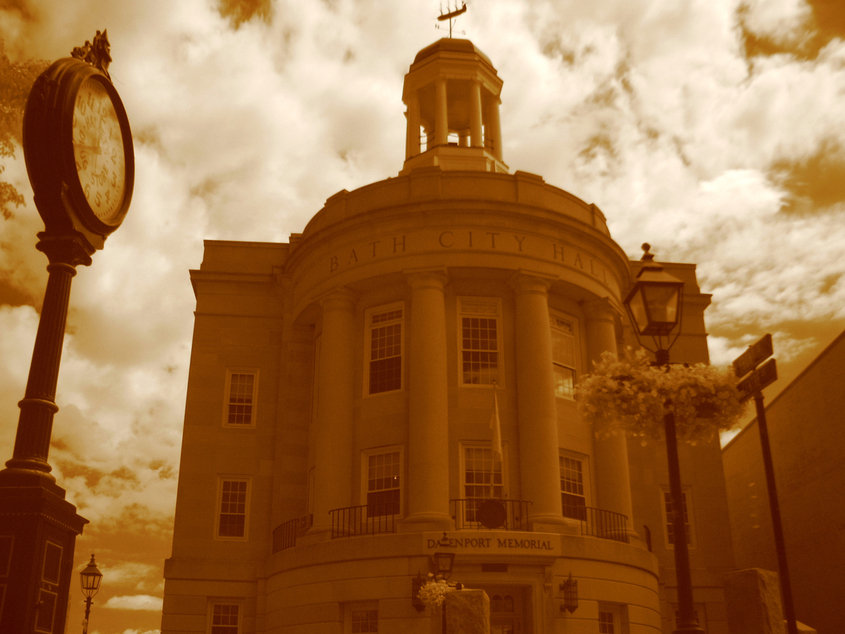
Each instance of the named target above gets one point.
<point>754,383</point>
<point>751,358</point>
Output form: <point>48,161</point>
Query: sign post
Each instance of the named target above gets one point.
<point>751,386</point>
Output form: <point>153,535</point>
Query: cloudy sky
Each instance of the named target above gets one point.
<point>712,129</point>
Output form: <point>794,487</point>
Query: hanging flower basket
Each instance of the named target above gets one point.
<point>433,592</point>
<point>631,395</point>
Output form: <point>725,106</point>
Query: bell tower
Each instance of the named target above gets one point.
<point>451,94</point>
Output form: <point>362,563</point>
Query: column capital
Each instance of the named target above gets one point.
<point>599,309</point>
<point>528,282</point>
<point>67,250</point>
<point>338,298</point>
<point>435,277</point>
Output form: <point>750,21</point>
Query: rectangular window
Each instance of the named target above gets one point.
<point>606,625</point>
<point>241,390</point>
<point>483,479</point>
<point>52,563</point>
<point>232,514</point>
<point>572,496</point>
<point>383,483</point>
<point>225,618</point>
<point>563,355</point>
<point>479,321</point>
<point>6,542</point>
<point>613,618</point>
<point>45,611</point>
<point>668,510</point>
<point>384,329</point>
<point>363,620</point>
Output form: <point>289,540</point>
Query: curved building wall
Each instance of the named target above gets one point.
<point>397,382</point>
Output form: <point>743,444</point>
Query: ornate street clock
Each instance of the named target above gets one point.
<point>78,146</point>
<point>80,161</point>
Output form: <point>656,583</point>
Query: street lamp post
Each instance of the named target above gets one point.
<point>443,563</point>
<point>654,307</point>
<point>89,577</point>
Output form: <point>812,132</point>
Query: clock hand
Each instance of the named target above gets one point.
<point>96,149</point>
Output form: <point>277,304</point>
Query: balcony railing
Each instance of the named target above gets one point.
<point>468,513</point>
<point>363,520</point>
<point>285,534</point>
<point>599,522</point>
<point>509,515</point>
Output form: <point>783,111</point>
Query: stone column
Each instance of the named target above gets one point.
<point>494,127</point>
<point>441,113</point>
<point>476,137</point>
<point>428,405</point>
<point>613,481</point>
<point>538,441</point>
<point>334,408</point>
<point>412,136</point>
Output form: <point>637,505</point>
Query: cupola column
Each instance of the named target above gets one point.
<point>412,138</point>
<point>538,440</point>
<point>428,404</point>
<point>334,408</point>
<point>494,128</point>
<point>441,112</point>
<point>613,480</point>
<point>476,138</point>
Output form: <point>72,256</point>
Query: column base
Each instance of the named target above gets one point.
<point>421,522</point>
<point>37,524</point>
<point>547,523</point>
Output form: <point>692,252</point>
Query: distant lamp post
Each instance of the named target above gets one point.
<point>654,306</point>
<point>89,577</point>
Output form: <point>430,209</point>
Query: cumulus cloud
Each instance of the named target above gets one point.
<point>134,602</point>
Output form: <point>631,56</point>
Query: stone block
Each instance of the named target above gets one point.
<point>467,612</point>
<point>753,602</point>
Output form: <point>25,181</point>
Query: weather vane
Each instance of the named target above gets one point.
<point>451,14</point>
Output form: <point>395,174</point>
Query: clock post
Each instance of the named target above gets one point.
<point>80,161</point>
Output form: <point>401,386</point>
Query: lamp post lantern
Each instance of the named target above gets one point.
<point>89,578</point>
<point>654,307</point>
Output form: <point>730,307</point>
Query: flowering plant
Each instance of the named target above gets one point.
<point>632,395</point>
<point>433,592</point>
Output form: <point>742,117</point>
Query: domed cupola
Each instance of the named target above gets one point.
<point>452,97</point>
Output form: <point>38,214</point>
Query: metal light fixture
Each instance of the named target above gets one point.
<point>443,563</point>
<point>90,578</point>
<point>654,306</point>
<point>570,594</point>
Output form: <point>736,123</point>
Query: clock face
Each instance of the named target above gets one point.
<point>98,151</point>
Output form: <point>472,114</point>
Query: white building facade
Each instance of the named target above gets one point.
<point>397,381</point>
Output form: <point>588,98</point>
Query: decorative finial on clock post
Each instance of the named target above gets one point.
<point>97,54</point>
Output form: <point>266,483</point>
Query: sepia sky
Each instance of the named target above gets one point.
<point>712,129</point>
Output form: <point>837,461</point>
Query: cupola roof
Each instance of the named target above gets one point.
<point>452,96</point>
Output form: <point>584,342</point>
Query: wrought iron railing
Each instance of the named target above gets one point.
<point>600,523</point>
<point>285,534</point>
<point>509,515</point>
<point>363,520</point>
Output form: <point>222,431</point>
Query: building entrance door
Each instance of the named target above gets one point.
<point>508,610</point>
